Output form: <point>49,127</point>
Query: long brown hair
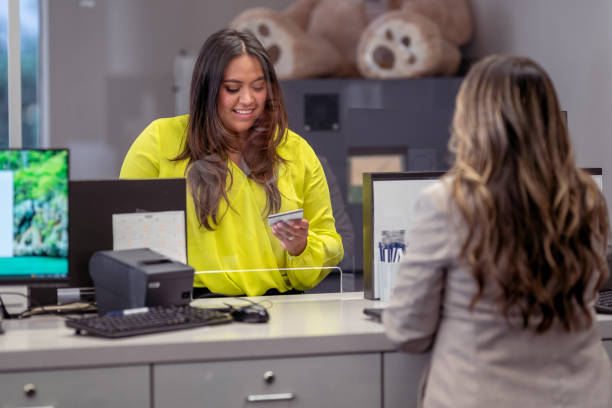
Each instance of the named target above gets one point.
<point>537,225</point>
<point>209,141</point>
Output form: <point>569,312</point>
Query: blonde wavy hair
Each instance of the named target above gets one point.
<point>537,225</point>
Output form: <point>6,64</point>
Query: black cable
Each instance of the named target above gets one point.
<point>213,295</point>
<point>63,310</point>
<point>38,309</point>
<point>266,301</point>
<point>5,312</point>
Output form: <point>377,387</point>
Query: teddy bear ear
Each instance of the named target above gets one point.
<point>405,45</point>
<point>293,53</point>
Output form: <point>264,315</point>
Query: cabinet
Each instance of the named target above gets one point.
<point>323,381</point>
<point>317,350</point>
<point>95,387</point>
<point>401,378</point>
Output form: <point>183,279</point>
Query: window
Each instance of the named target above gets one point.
<point>29,16</point>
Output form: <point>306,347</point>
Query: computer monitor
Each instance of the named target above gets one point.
<point>388,202</point>
<point>93,203</point>
<point>34,242</point>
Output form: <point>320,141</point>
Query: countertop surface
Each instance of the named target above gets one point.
<point>311,324</point>
<point>299,325</point>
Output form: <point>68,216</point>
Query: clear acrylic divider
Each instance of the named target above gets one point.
<point>330,279</point>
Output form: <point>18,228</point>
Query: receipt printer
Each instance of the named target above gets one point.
<point>131,278</point>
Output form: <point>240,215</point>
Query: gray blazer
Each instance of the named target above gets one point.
<point>478,358</point>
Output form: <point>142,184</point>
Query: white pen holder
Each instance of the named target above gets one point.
<point>387,273</point>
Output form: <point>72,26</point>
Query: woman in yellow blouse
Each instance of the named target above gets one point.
<point>242,163</point>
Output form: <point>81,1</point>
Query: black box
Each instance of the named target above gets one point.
<point>133,278</point>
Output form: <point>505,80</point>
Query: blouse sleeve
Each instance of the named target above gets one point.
<point>324,248</point>
<point>412,316</point>
<point>143,158</point>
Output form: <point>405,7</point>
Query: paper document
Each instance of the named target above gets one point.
<point>163,232</point>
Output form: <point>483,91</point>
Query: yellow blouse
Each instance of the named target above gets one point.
<point>242,240</point>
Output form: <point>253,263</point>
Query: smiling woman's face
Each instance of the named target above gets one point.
<point>243,94</point>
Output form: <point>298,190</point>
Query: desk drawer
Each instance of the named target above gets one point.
<point>322,381</point>
<point>103,387</point>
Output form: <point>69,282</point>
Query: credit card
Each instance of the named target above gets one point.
<point>286,216</point>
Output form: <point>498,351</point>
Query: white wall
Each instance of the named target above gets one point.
<point>572,40</point>
<point>111,70</point>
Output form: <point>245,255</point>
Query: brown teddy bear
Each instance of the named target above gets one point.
<point>375,39</point>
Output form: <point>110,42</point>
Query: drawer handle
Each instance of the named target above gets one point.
<point>287,396</point>
<point>269,377</point>
<point>29,390</point>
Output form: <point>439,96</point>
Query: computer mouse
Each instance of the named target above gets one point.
<point>251,314</point>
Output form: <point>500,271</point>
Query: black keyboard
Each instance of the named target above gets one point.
<point>604,301</point>
<point>148,320</point>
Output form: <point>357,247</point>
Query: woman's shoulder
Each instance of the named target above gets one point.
<point>293,140</point>
<point>437,196</point>
<point>167,133</point>
<point>170,125</point>
<point>438,190</point>
<point>295,145</point>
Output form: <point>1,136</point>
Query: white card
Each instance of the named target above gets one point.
<point>163,232</point>
<point>286,216</point>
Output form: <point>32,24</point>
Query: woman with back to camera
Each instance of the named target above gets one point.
<point>242,163</point>
<point>508,254</point>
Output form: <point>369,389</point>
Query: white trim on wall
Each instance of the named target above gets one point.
<point>14,75</point>
<point>43,93</point>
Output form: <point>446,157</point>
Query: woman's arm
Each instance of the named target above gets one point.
<point>413,314</point>
<point>324,247</point>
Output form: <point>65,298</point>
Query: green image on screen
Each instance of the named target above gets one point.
<point>33,213</point>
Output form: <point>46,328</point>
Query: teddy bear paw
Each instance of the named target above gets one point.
<point>401,45</point>
<point>267,26</point>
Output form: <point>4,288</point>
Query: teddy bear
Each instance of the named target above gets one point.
<point>421,38</point>
<point>369,38</point>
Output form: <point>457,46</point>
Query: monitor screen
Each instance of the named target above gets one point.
<point>93,203</point>
<point>33,215</point>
